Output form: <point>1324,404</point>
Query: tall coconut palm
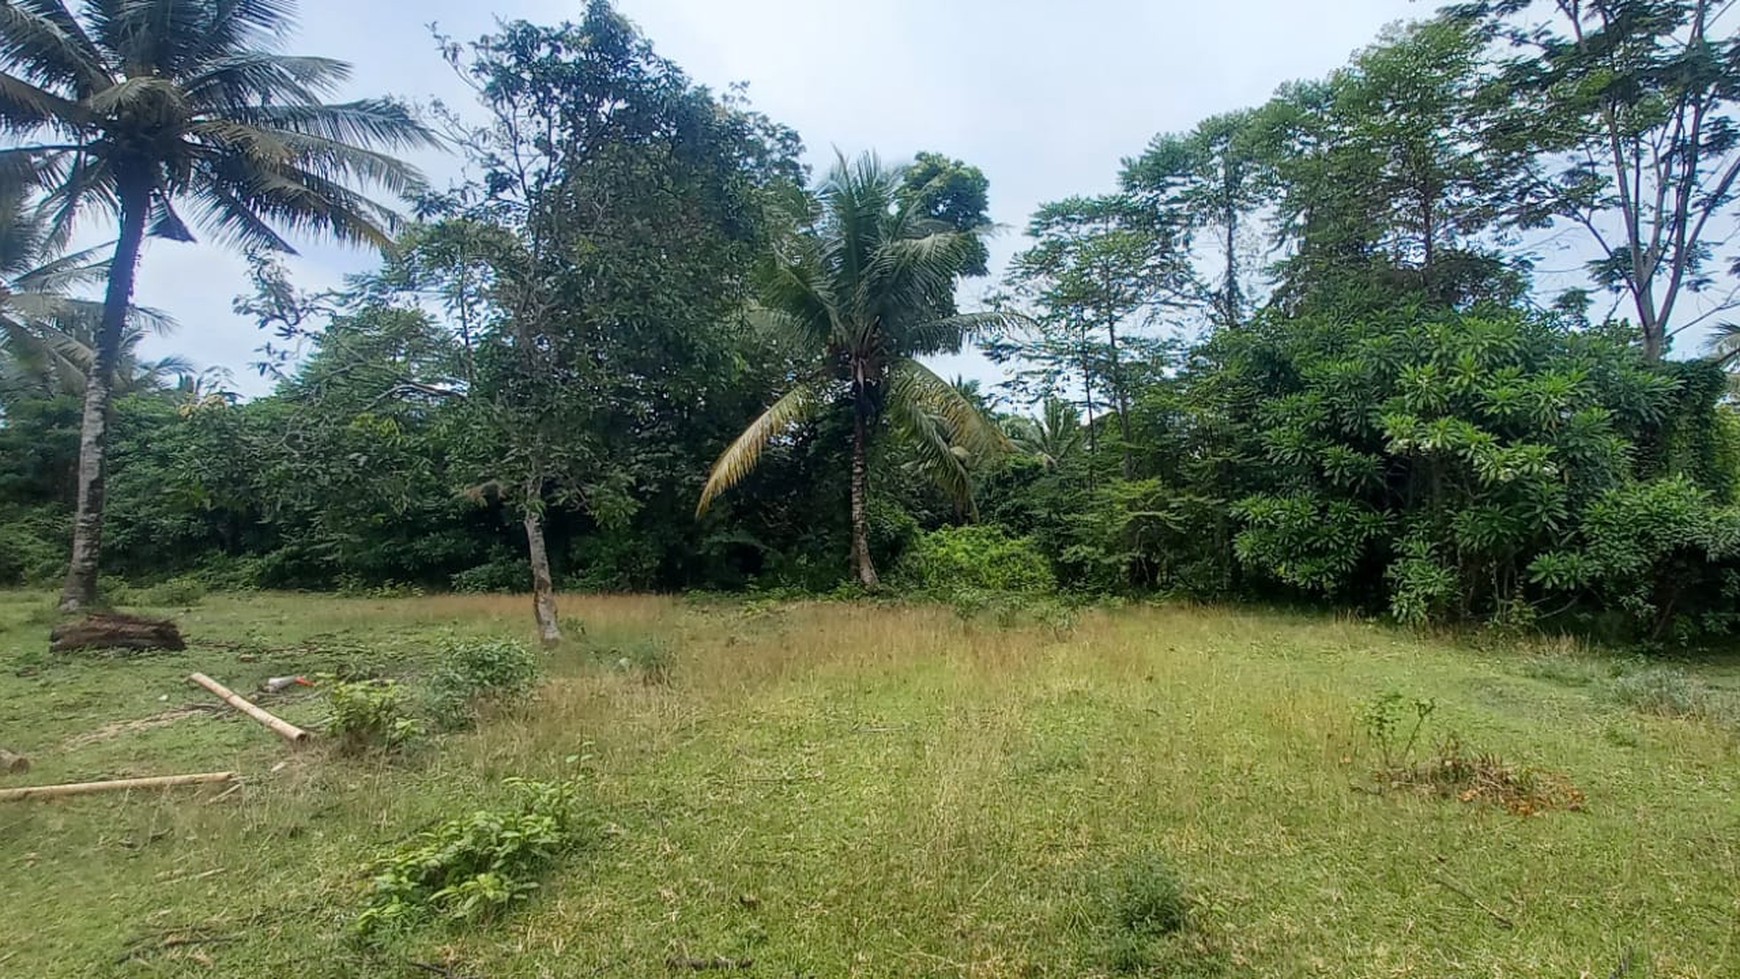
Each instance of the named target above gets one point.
<point>137,108</point>
<point>865,290</point>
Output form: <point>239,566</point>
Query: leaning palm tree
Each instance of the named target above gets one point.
<point>865,290</point>
<point>137,108</point>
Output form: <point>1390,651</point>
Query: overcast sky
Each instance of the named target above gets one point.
<point>1045,97</point>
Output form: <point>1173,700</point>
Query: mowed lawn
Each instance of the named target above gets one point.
<point>853,790</point>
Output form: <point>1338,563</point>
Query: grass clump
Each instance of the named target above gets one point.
<point>473,867</point>
<point>1663,691</point>
<point>1147,897</point>
<point>473,673</point>
<point>1147,924</point>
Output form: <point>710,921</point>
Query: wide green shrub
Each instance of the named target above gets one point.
<point>977,558</point>
<point>476,865</point>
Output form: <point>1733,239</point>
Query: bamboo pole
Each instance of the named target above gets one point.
<point>285,729</point>
<point>113,785</point>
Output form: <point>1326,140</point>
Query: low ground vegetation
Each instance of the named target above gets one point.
<point>880,790</point>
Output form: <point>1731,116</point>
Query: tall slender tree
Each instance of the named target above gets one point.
<point>1623,117</point>
<point>1211,182</point>
<point>135,109</point>
<point>866,290</point>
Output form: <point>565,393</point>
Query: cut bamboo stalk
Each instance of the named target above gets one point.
<point>113,785</point>
<point>285,729</point>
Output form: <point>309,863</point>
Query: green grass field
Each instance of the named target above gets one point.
<point>844,790</point>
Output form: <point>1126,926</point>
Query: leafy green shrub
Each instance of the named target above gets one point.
<point>473,672</point>
<point>1393,724</point>
<point>370,715</point>
<point>32,550</point>
<point>505,573</point>
<point>958,560</point>
<point>474,866</point>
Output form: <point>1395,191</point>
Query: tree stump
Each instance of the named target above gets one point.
<point>114,631</point>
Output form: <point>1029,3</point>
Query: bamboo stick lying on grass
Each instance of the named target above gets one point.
<point>285,729</point>
<point>113,785</point>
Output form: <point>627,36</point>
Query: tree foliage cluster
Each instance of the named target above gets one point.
<point>1307,351</point>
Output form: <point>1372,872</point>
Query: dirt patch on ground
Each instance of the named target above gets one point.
<point>118,729</point>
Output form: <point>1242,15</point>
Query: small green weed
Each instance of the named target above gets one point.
<point>1145,922</point>
<point>1393,724</point>
<point>474,866</point>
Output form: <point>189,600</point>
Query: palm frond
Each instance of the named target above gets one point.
<point>737,461</point>
<point>913,383</point>
<point>25,107</point>
<point>941,461</point>
<point>43,39</point>
<point>252,77</point>
<point>1724,343</point>
<point>365,122</point>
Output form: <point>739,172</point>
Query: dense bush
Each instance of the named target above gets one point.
<point>975,558</point>
<point>371,715</point>
<point>474,672</point>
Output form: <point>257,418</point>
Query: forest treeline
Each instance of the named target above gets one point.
<point>1442,335</point>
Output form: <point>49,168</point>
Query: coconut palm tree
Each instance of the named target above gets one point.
<point>864,291</point>
<point>137,109</point>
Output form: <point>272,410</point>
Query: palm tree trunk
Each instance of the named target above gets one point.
<point>543,585</point>
<point>81,577</point>
<point>861,563</point>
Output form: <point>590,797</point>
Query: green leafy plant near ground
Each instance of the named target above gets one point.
<point>371,715</point>
<point>956,560</point>
<point>1393,724</point>
<point>476,672</point>
<point>473,866</point>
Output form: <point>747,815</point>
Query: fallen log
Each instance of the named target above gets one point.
<point>12,764</point>
<point>114,631</point>
<point>112,785</point>
<point>284,729</point>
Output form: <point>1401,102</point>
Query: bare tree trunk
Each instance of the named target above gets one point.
<point>1121,397</point>
<point>862,566</point>
<point>543,585</point>
<point>81,577</point>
